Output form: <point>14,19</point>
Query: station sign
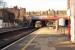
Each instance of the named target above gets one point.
<point>61,22</point>
<point>1,21</point>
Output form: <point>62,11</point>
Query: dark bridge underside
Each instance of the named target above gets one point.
<point>42,21</point>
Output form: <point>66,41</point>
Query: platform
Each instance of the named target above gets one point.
<point>42,39</point>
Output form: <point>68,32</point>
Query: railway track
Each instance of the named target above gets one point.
<point>7,38</point>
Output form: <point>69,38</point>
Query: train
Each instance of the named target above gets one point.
<point>41,21</point>
<point>47,21</point>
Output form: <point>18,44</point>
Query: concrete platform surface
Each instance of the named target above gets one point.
<point>43,39</point>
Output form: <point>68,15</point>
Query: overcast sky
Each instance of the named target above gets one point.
<point>35,5</point>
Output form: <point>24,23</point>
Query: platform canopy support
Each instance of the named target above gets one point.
<point>72,17</point>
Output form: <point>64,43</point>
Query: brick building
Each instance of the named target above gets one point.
<point>11,14</point>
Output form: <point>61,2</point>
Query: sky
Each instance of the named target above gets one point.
<point>36,5</point>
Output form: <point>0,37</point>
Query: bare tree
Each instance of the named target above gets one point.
<point>2,4</point>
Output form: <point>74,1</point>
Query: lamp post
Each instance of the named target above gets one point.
<point>2,6</point>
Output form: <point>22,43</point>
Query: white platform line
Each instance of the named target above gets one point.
<point>15,42</point>
<point>29,43</point>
